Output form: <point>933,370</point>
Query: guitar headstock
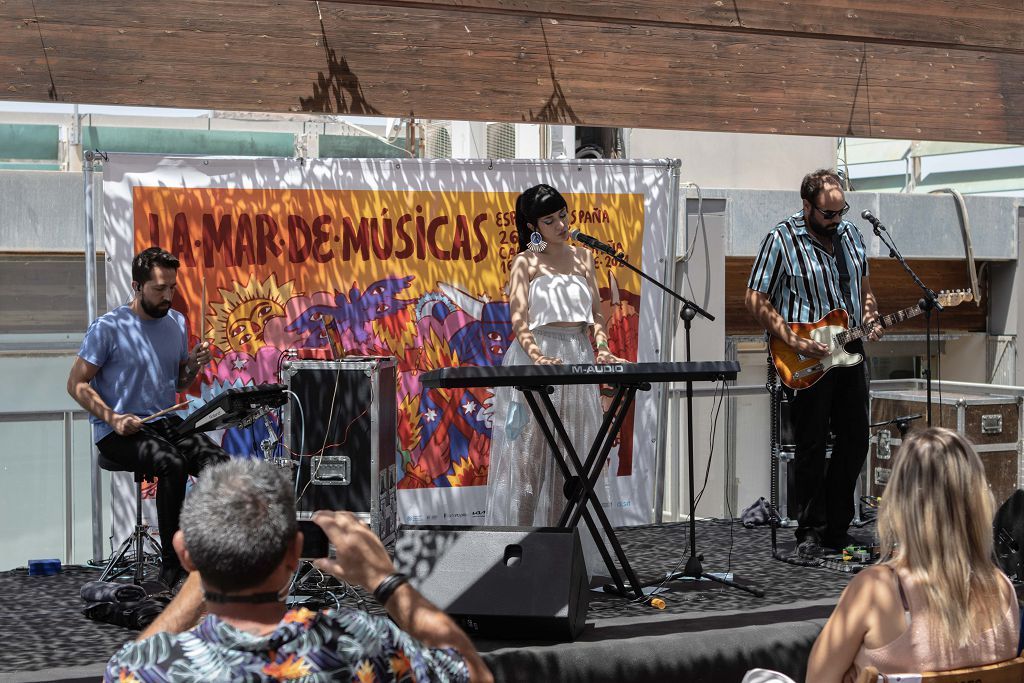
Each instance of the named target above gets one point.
<point>954,297</point>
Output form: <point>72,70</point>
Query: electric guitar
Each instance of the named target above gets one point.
<point>799,372</point>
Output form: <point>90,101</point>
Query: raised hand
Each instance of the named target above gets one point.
<point>200,355</point>
<point>361,557</point>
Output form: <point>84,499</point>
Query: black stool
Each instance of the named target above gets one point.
<point>138,539</point>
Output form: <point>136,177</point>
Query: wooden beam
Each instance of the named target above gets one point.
<point>995,25</point>
<point>443,63</point>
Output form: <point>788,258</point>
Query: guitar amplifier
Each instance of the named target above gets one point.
<point>990,421</point>
<point>341,426</point>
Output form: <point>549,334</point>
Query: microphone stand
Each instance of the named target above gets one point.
<point>928,303</point>
<point>693,569</point>
<point>902,423</point>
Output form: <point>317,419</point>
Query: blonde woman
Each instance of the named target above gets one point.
<point>936,601</point>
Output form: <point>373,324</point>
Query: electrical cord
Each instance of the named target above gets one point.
<point>938,358</point>
<point>344,439</point>
<point>716,409</point>
<point>302,435</point>
<point>730,514</point>
<point>327,433</point>
<point>721,393</point>
<point>700,223</point>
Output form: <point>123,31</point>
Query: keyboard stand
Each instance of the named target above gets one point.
<point>579,487</point>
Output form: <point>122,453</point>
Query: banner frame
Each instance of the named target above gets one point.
<point>669,166</point>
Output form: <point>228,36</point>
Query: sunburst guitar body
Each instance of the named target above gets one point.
<point>797,371</point>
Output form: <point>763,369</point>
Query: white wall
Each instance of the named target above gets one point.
<point>701,279</point>
<point>469,139</point>
<point>44,211</point>
<point>735,160</point>
<point>752,425</point>
<point>965,359</point>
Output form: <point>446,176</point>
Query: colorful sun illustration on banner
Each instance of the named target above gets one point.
<point>240,319</point>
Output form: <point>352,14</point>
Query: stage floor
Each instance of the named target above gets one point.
<point>705,633</point>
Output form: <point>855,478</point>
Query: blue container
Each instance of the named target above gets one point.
<point>43,567</point>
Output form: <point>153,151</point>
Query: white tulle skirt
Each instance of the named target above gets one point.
<point>524,483</point>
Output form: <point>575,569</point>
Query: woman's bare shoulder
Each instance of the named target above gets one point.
<point>524,261</point>
<point>582,254</point>
<point>871,583</point>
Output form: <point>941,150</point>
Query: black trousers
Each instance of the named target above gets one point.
<point>155,450</point>
<point>823,499</point>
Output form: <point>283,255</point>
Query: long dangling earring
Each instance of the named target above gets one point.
<point>536,243</point>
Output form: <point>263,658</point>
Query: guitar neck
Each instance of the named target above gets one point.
<point>886,321</point>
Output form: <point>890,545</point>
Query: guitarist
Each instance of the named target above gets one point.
<point>809,264</point>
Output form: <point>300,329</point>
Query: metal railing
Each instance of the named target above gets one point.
<point>72,490</point>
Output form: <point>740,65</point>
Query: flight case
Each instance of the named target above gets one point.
<point>341,423</point>
<point>990,421</point>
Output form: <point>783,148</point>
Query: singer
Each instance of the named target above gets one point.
<point>555,308</point>
<point>129,365</point>
<point>809,264</point>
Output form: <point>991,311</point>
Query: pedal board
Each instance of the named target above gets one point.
<point>851,560</point>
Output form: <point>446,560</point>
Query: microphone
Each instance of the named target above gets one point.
<point>592,242</point>
<point>870,218</point>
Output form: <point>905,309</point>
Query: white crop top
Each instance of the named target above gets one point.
<point>560,299</point>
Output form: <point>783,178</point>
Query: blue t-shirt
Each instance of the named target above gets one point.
<point>138,360</point>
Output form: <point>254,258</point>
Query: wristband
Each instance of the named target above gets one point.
<point>602,345</point>
<point>388,586</point>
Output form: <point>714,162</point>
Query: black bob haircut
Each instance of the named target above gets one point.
<point>534,202</point>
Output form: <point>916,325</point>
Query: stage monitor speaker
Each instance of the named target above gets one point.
<point>500,582</point>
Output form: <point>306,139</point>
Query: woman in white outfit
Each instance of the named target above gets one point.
<point>555,311</point>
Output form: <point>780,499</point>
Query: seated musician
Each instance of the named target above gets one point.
<point>131,362</point>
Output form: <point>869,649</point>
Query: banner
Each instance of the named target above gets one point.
<point>405,258</point>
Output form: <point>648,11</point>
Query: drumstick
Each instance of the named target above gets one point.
<point>202,312</point>
<point>165,411</point>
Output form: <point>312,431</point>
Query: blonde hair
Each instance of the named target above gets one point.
<point>935,521</point>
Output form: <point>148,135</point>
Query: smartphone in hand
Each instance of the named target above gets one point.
<point>314,540</point>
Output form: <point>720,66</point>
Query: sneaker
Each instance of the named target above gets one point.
<point>809,549</point>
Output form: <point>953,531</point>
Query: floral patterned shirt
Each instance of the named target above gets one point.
<point>333,645</point>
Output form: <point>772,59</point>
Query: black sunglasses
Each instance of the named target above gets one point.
<point>829,215</point>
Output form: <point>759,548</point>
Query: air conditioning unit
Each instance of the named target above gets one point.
<point>437,139</point>
<point>501,141</point>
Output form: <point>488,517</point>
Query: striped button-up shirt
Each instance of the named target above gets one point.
<point>801,279</point>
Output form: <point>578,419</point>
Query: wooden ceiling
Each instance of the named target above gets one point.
<point>928,69</point>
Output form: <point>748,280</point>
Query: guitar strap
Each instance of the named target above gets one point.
<point>844,271</point>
